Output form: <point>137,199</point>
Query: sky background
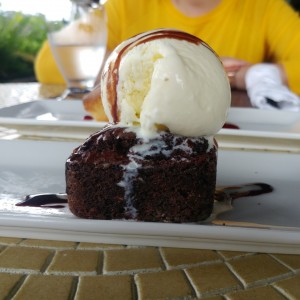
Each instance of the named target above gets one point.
<point>52,9</point>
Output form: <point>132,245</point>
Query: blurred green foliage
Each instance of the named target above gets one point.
<point>21,37</point>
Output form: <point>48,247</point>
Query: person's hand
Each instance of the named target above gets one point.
<point>236,70</point>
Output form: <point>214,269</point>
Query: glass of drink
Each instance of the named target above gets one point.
<point>78,46</point>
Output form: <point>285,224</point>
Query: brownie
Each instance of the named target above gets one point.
<point>115,174</point>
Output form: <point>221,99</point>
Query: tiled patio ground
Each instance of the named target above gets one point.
<point>41,269</point>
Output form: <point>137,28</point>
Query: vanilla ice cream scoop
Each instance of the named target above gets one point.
<point>166,79</point>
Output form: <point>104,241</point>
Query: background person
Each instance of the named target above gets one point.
<point>242,33</point>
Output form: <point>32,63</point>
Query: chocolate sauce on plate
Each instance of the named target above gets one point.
<point>230,126</point>
<point>43,200</point>
<point>222,194</point>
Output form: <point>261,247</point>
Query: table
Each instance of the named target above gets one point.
<point>49,269</point>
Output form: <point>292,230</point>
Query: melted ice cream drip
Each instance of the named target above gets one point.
<point>149,149</point>
<point>130,172</point>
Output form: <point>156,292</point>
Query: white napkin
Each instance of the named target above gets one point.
<point>266,90</point>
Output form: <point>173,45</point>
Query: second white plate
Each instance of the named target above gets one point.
<point>50,118</point>
<point>257,129</point>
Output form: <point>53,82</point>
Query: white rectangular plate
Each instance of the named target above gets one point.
<point>264,223</point>
<point>259,129</point>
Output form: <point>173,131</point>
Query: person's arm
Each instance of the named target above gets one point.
<point>236,70</point>
<point>45,67</point>
<point>281,28</point>
<point>284,41</point>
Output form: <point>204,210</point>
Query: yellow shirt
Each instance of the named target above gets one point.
<point>251,30</point>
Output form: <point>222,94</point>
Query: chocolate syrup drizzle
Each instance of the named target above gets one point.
<point>112,69</point>
<point>42,200</point>
<point>230,126</point>
<point>222,194</point>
